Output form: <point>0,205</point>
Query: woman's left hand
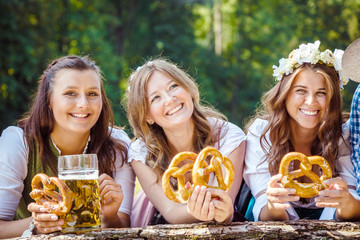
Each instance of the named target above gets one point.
<point>111,195</point>
<point>223,205</point>
<point>336,196</point>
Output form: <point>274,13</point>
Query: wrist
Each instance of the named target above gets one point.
<point>30,230</point>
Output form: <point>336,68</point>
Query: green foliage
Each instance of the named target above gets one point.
<point>228,46</point>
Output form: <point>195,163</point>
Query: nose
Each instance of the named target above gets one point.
<point>169,98</point>
<point>82,101</point>
<point>310,99</point>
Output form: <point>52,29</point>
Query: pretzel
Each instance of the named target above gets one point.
<point>182,194</point>
<point>55,202</point>
<point>304,190</point>
<point>200,173</point>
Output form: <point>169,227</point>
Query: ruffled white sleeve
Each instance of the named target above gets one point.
<point>231,136</point>
<point>124,175</point>
<point>137,151</point>
<point>13,170</point>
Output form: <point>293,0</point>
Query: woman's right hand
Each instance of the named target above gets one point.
<point>44,222</point>
<point>278,195</point>
<point>200,205</point>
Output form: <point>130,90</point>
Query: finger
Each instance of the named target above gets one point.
<point>205,207</point>
<point>108,188</point>
<point>212,211</point>
<point>192,199</point>
<point>201,196</point>
<point>280,206</point>
<point>338,181</point>
<point>33,207</point>
<point>108,183</point>
<point>332,193</point>
<point>274,180</point>
<point>112,196</point>
<point>280,191</point>
<point>45,217</point>
<point>282,198</point>
<point>103,177</point>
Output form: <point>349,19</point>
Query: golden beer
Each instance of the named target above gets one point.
<point>80,173</point>
<point>85,211</point>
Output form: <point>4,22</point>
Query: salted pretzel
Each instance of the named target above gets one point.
<point>200,175</point>
<point>182,194</point>
<point>304,190</point>
<point>58,203</point>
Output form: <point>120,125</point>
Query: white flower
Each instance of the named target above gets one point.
<point>309,53</point>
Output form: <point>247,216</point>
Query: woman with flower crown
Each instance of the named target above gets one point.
<point>302,113</point>
<point>166,116</point>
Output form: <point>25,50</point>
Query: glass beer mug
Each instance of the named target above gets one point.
<point>80,173</point>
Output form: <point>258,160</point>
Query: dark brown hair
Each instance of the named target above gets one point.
<point>38,122</point>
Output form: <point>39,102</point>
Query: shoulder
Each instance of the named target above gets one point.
<point>12,135</point>
<point>119,134</point>
<point>137,151</point>
<point>257,127</point>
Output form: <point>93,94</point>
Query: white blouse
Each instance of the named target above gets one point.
<point>228,143</point>
<point>257,175</point>
<point>13,170</point>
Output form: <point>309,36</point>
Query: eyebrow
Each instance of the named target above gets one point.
<point>302,86</point>
<point>74,87</point>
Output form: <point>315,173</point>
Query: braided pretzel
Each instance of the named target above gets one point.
<point>200,175</point>
<point>55,202</point>
<point>304,190</point>
<point>182,194</point>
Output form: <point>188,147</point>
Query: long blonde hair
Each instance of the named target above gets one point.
<point>160,152</point>
<point>274,111</point>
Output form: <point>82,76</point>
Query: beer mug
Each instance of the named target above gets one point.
<point>80,173</point>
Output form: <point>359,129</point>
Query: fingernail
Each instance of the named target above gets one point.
<point>42,209</point>
<point>61,222</point>
<point>203,188</point>
<point>59,228</point>
<point>54,217</point>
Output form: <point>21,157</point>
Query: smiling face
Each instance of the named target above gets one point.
<point>169,105</point>
<point>75,101</point>
<point>306,102</point>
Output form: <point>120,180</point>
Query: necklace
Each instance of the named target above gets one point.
<point>59,151</point>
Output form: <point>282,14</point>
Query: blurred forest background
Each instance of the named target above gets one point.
<point>228,46</point>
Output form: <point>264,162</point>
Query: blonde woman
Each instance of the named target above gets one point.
<point>166,116</point>
<point>302,113</point>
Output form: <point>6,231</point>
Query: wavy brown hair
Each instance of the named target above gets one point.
<point>274,111</point>
<point>160,152</point>
<point>38,122</point>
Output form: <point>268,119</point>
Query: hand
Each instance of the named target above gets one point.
<point>111,195</point>
<point>336,196</point>
<point>44,222</point>
<point>200,205</point>
<point>278,195</point>
<point>223,205</point>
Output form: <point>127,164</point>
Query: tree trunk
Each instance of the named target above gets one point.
<point>302,229</point>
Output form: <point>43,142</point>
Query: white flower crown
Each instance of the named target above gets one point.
<point>310,53</point>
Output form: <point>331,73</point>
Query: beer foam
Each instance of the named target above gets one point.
<point>79,175</point>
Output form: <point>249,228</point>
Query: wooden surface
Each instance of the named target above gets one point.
<point>301,229</point>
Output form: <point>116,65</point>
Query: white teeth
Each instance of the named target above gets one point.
<point>175,110</point>
<point>311,113</point>
<point>79,115</point>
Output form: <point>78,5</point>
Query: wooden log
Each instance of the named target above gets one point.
<point>302,229</point>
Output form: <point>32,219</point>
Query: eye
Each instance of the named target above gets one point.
<point>321,93</point>
<point>70,93</point>
<point>154,99</point>
<point>300,90</point>
<point>93,94</point>
<point>173,86</point>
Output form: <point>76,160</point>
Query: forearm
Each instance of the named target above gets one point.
<point>270,214</point>
<point>11,229</point>
<point>120,220</point>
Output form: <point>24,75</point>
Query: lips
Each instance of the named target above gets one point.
<point>80,115</point>
<point>309,112</point>
<point>174,110</point>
